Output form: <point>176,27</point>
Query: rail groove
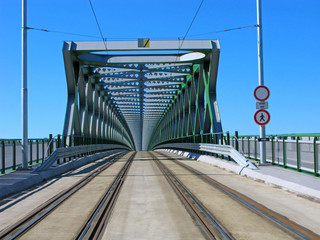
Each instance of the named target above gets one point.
<point>290,226</point>
<point>100,216</point>
<point>25,224</point>
<point>211,226</point>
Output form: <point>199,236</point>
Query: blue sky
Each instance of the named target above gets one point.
<point>291,34</point>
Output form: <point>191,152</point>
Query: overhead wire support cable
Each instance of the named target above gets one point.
<point>189,27</point>
<point>95,16</point>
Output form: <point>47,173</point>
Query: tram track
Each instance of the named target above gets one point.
<point>23,226</point>
<point>99,218</point>
<point>291,228</point>
<point>210,226</point>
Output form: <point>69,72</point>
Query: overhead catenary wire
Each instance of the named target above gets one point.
<point>225,30</point>
<point>68,33</point>
<point>123,38</point>
<point>95,16</point>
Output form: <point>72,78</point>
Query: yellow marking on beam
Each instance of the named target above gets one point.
<point>146,42</point>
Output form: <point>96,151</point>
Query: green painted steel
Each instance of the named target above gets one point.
<point>3,157</point>
<point>315,156</point>
<point>194,110</point>
<point>43,141</point>
<point>284,152</point>
<point>30,145</point>
<point>272,151</point>
<point>37,142</point>
<point>14,155</point>
<point>50,144</point>
<point>306,144</point>
<point>236,134</point>
<point>298,155</point>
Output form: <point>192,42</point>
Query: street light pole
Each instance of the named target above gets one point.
<point>24,89</point>
<point>261,79</point>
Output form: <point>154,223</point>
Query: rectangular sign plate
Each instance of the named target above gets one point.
<point>263,139</point>
<point>262,105</point>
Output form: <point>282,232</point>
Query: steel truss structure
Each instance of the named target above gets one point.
<point>141,95</point>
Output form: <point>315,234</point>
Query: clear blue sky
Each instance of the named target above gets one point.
<point>291,34</point>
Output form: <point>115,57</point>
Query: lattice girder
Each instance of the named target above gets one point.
<point>144,98</point>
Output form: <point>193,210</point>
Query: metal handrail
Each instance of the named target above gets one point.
<point>74,151</point>
<point>49,144</point>
<point>213,148</point>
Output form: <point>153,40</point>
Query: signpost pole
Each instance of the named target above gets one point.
<point>24,88</point>
<point>261,80</point>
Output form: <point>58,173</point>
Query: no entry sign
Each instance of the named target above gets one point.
<point>262,117</point>
<point>261,93</point>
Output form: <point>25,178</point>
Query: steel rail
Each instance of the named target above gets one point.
<point>97,221</point>
<point>211,226</point>
<point>25,224</point>
<point>286,224</point>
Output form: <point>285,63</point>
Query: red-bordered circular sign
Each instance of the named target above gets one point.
<point>262,117</point>
<point>261,93</point>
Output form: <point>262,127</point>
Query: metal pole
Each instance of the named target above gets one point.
<point>24,89</point>
<point>261,80</point>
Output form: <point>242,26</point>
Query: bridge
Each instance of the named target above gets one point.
<point>143,155</point>
<point>155,90</point>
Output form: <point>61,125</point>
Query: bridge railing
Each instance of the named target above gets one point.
<point>11,154</point>
<point>39,149</point>
<point>297,152</point>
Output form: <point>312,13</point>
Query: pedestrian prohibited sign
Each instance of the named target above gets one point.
<point>262,117</point>
<point>261,93</point>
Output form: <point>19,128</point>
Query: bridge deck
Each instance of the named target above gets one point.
<point>148,207</point>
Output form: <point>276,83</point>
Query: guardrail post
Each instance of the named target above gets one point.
<point>64,144</point>
<point>228,142</point>
<point>315,152</point>
<point>58,146</point>
<point>298,155</point>
<point>242,144</point>
<point>43,150</point>
<point>50,144</point>
<point>37,150</point>
<point>216,142</point>
<point>284,152</point>
<point>14,155</point>
<point>248,146</point>
<point>272,151</point>
<point>215,139</point>
<point>30,161</point>
<point>3,170</point>
<point>237,143</point>
<point>221,141</point>
<point>255,148</point>
<point>59,141</point>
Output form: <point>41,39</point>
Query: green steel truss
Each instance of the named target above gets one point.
<point>141,95</point>
<point>194,110</point>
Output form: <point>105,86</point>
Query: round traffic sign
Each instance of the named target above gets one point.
<point>262,117</point>
<point>261,93</point>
